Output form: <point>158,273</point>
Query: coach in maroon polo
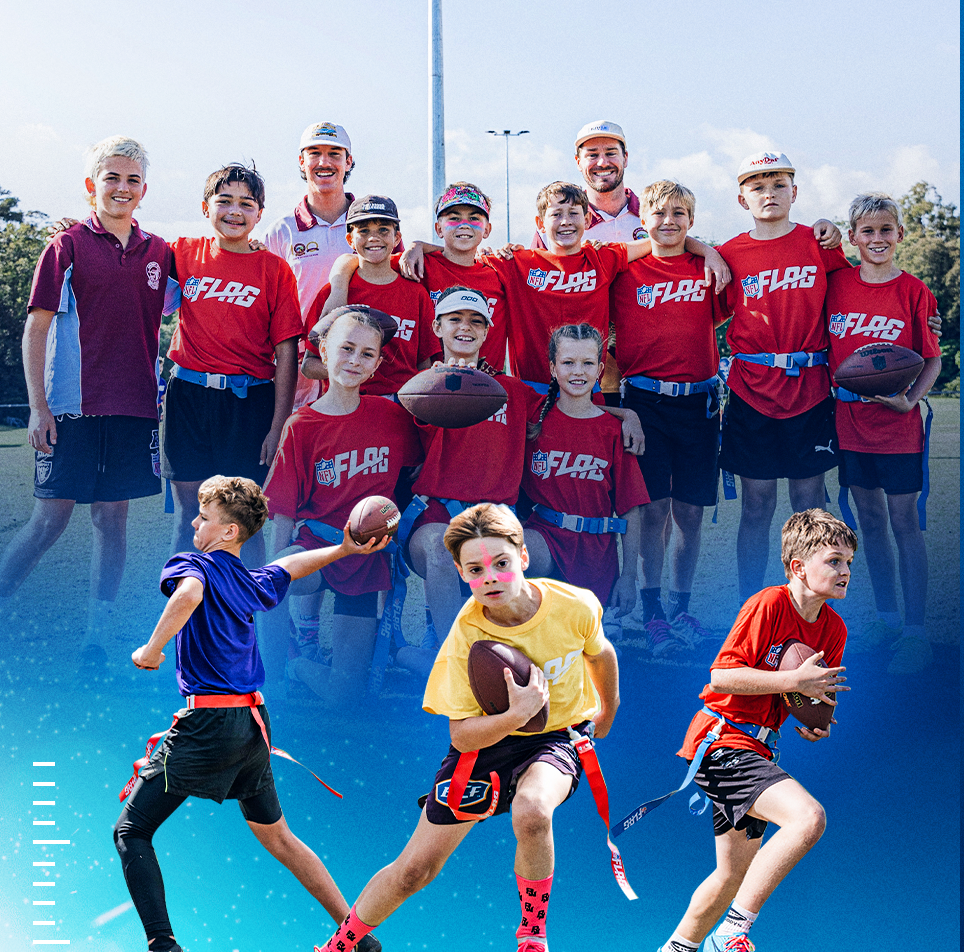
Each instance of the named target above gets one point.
<point>90,349</point>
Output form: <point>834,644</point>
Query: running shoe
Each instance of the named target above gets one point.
<point>869,637</point>
<point>663,641</point>
<point>913,656</point>
<point>689,630</point>
<point>728,943</point>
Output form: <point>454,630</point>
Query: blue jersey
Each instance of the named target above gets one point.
<point>217,651</point>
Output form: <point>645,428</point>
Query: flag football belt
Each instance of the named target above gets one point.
<point>765,735</point>
<point>390,626</point>
<point>593,524</point>
<point>597,784</point>
<point>790,364</point>
<point>237,383</point>
<point>843,497</point>
<point>194,701</point>
<point>418,505</point>
<point>671,388</point>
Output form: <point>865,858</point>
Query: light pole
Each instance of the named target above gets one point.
<point>506,133</point>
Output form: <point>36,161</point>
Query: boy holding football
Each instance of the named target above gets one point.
<point>881,438</point>
<point>551,622</point>
<point>742,706</point>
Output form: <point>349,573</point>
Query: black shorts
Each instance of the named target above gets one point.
<point>205,431</point>
<point>682,445</point>
<point>895,473</point>
<point>733,779</point>
<point>760,447</point>
<point>364,605</point>
<point>100,459</point>
<point>217,753</point>
<point>509,758</point>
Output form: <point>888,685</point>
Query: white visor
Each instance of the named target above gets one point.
<point>464,301</point>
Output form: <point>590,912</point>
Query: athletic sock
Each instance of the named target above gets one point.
<point>347,935</point>
<point>534,899</point>
<point>890,619</point>
<point>676,943</point>
<point>915,631</point>
<point>737,920</point>
<point>679,602</point>
<point>652,607</point>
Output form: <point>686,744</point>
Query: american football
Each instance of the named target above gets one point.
<point>452,397</point>
<point>487,661</point>
<point>879,370</point>
<point>372,518</point>
<point>809,711</point>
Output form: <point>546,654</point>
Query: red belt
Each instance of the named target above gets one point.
<point>252,701</point>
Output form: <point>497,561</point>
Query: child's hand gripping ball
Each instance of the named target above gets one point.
<point>809,711</point>
<point>487,661</point>
<point>372,518</point>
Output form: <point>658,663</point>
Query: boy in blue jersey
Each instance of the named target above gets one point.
<point>219,745</point>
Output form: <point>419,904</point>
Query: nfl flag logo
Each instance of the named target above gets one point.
<point>325,472</point>
<point>773,658</point>
<point>837,324</point>
<point>539,464</point>
<point>644,295</point>
<point>537,278</point>
<point>751,286</point>
<point>191,288</point>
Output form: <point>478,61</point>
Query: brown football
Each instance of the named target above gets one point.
<point>487,661</point>
<point>372,518</point>
<point>452,397</point>
<point>807,710</point>
<point>878,370</point>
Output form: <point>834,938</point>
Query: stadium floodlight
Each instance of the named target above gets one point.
<point>506,134</point>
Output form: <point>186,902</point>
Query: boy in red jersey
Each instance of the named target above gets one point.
<point>234,352</point>
<point>881,438</point>
<point>90,347</point>
<point>742,705</point>
<point>566,284</point>
<point>779,417</point>
<point>367,277</point>
<point>665,317</point>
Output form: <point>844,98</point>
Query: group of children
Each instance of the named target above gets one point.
<point>546,322</point>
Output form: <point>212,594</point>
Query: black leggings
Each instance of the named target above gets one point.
<point>148,806</point>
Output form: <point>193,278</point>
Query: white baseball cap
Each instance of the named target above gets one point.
<point>601,128</point>
<point>325,133</point>
<point>464,299</point>
<point>763,162</point>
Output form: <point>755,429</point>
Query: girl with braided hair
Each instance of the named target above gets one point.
<point>577,474</point>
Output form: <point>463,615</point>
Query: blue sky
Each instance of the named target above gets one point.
<point>858,95</point>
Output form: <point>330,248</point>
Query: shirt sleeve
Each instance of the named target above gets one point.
<point>749,638</point>
<point>183,565</point>
<point>314,313</point>
<point>286,321</point>
<point>926,342</point>
<point>833,258</point>
<point>50,286</point>
<point>283,485</point>
<point>614,258</point>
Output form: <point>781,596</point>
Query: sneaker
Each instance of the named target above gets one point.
<point>689,630</point>
<point>369,944</point>
<point>869,637</point>
<point>728,943</point>
<point>663,641</point>
<point>913,656</point>
<point>636,620</point>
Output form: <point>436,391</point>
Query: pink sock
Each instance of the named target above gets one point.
<point>534,899</point>
<point>347,935</point>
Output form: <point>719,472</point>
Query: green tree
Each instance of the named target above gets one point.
<point>21,240</point>
<point>931,250</point>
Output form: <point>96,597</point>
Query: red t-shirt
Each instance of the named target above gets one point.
<point>440,273</point>
<point>766,621</point>
<point>543,291</point>
<point>235,309</point>
<point>579,466</point>
<point>776,299</point>
<point>859,313</point>
<point>666,318</point>
<point>408,302</point>
<point>326,464</point>
<point>481,462</point>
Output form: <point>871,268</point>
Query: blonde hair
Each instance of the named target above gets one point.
<point>659,193</point>
<point>563,192</point>
<point>239,500</point>
<point>874,203</point>
<point>121,146</point>
<point>805,532</point>
<point>486,520</point>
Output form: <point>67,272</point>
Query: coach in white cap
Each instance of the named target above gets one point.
<point>613,209</point>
